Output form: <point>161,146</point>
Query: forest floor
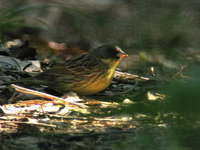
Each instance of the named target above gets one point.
<point>132,113</point>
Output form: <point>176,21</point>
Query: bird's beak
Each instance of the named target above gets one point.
<point>122,54</point>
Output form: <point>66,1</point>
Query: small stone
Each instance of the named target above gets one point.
<point>127,101</point>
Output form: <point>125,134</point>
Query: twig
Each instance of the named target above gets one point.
<point>34,123</point>
<point>128,78</point>
<point>44,95</point>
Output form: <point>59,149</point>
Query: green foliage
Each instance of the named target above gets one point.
<point>183,96</point>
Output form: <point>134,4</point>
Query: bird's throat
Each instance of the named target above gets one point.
<point>112,65</point>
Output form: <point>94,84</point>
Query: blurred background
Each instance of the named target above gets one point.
<point>170,25</point>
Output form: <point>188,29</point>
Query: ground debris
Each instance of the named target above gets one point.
<point>53,105</point>
<point>13,64</point>
<point>125,77</point>
<point>66,115</point>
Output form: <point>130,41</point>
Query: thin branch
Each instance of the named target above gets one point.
<point>45,95</point>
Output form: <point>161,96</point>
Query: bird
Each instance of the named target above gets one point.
<point>85,74</point>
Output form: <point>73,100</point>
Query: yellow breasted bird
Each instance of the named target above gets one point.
<point>86,74</point>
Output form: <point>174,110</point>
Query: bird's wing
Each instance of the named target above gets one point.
<point>76,70</point>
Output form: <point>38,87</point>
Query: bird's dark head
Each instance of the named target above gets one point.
<point>110,56</point>
<point>109,53</point>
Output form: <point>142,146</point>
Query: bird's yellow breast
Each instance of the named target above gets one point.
<point>100,83</point>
